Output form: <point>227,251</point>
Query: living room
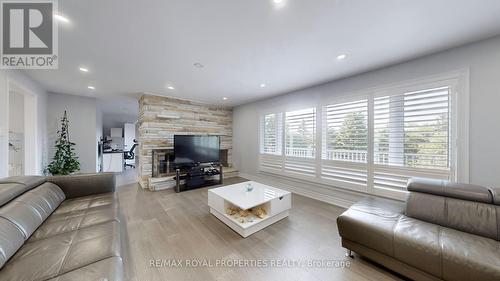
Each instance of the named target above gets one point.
<point>250,140</point>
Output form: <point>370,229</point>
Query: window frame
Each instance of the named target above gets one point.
<point>457,81</point>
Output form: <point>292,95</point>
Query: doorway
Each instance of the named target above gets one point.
<point>22,133</point>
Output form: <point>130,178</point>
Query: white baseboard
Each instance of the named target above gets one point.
<point>336,196</point>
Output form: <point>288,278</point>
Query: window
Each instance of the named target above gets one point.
<point>300,133</point>
<point>374,142</point>
<point>345,133</point>
<point>271,134</point>
<point>412,129</point>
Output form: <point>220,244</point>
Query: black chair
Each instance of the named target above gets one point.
<point>128,155</point>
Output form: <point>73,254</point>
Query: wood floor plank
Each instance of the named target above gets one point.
<point>166,226</point>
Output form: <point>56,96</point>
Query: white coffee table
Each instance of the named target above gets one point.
<point>274,201</point>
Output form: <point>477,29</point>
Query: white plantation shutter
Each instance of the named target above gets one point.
<point>271,133</point>
<point>345,174</point>
<point>300,142</point>
<point>373,142</point>
<point>345,133</point>
<point>387,179</point>
<point>412,129</point>
<point>300,133</point>
<point>411,137</point>
<point>345,144</point>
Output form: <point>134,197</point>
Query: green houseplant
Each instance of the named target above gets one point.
<point>65,160</point>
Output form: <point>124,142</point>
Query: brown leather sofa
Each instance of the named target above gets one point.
<point>444,231</point>
<point>60,228</point>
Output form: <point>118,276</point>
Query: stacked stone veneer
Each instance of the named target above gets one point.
<point>160,118</point>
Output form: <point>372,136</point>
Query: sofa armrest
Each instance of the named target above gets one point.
<point>85,184</point>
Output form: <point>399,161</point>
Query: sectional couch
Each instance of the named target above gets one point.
<point>61,229</point>
<point>444,231</point>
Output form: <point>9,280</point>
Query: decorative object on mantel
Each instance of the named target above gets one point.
<point>65,160</point>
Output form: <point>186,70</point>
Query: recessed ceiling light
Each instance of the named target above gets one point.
<point>278,1</point>
<point>262,85</point>
<point>170,87</point>
<point>224,98</point>
<point>198,65</point>
<point>341,57</point>
<point>91,87</point>
<point>61,18</point>
<point>83,69</point>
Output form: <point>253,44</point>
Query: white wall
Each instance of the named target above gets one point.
<point>483,60</point>
<point>39,96</point>
<point>82,115</point>
<point>114,120</point>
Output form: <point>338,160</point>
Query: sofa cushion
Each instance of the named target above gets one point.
<point>469,257</point>
<point>11,239</point>
<point>60,254</point>
<point>417,243</point>
<point>29,182</point>
<point>75,186</point>
<point>84,203</point>
<point>9,191</point>
<point>426,207</point>
<point>375,216</point>
<point>469,216</point>
<point>31,209</point>
<point>107,269</point>
<point>70,221</point>
<point>472,217</point>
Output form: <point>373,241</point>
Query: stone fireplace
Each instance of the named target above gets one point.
<point>160,118</point>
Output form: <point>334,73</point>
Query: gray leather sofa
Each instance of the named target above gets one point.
<point>444,231</point>
<point>60,228</point>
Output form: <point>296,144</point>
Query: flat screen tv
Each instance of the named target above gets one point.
<point>192,150</point>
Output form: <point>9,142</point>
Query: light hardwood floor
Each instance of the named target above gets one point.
<point>166,225</point>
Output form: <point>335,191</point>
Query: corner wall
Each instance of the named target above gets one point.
<point>481,58</point>
<point>83,124</point>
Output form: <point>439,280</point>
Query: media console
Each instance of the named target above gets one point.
<point>197,177</point>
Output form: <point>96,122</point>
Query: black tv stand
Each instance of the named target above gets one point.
<point>197,177</point>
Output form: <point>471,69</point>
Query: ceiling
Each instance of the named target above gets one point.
<point>132,46</point>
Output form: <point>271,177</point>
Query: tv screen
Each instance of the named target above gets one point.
<point>191,150</point>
